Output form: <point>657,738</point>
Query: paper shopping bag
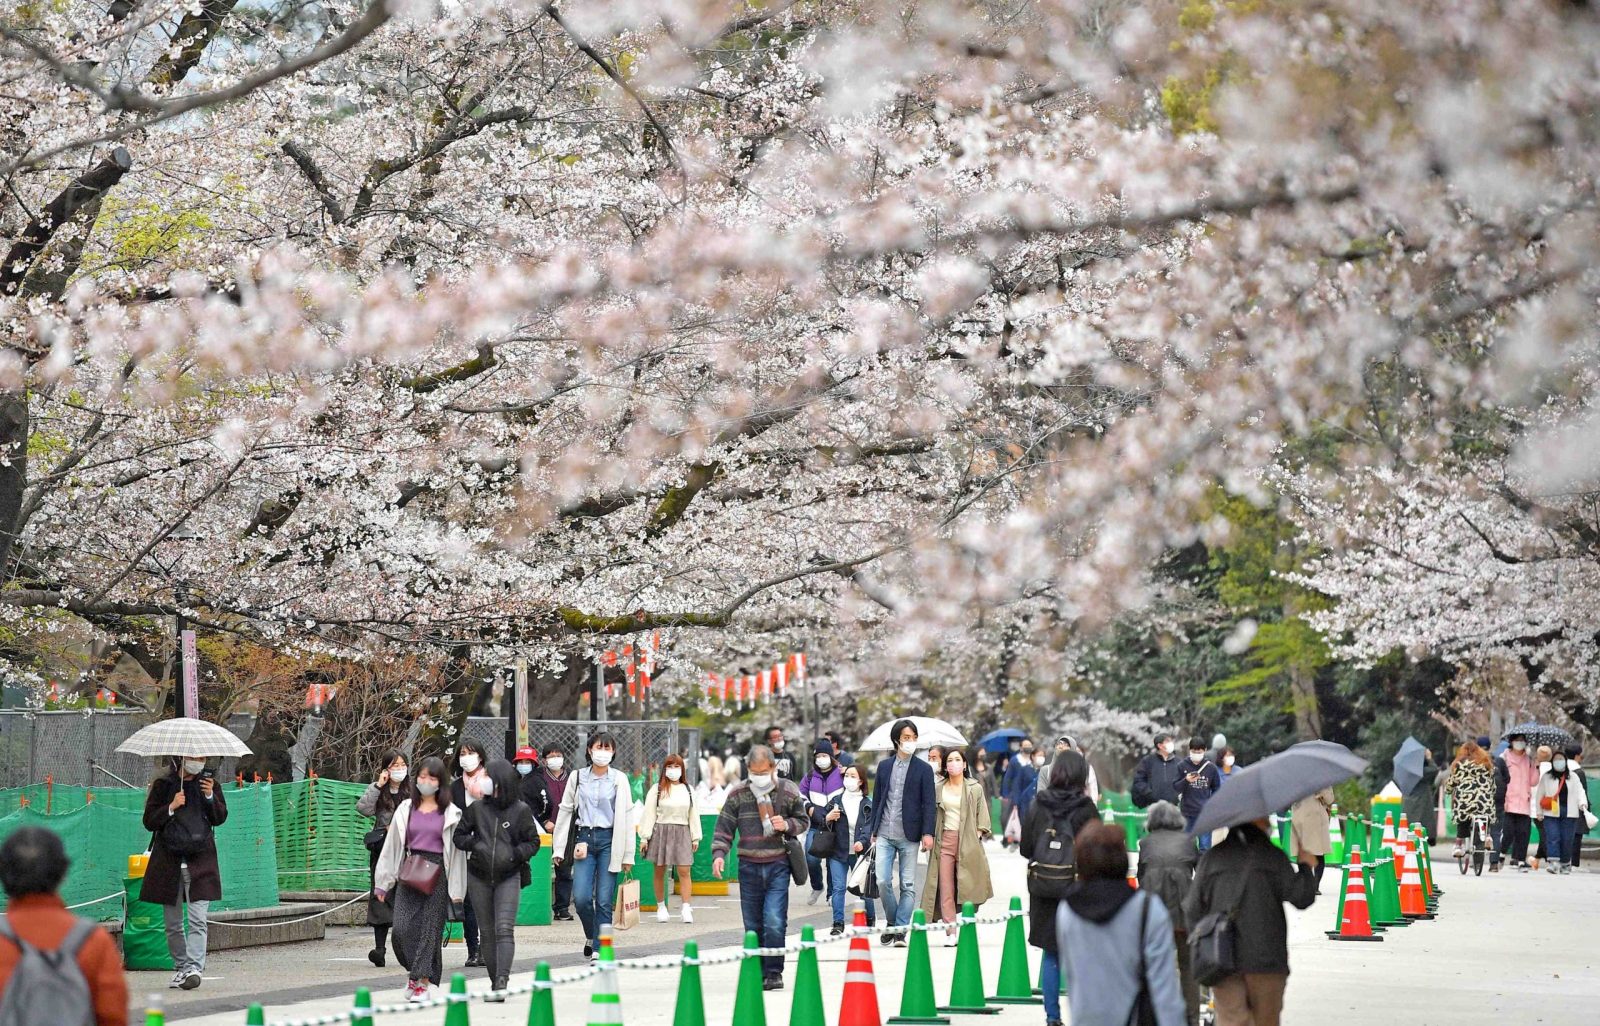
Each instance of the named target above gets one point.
<point>626,915</point>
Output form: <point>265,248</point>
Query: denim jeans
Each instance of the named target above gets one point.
<point>594,885</point>
<point>1050,983</point>
<point>187,946</point>
<point>813,864</point>
<point>1559,833</point>
<point>897,912</point>
<point>1203,840</point>
<point>838,873</point>
<point>764,900</point>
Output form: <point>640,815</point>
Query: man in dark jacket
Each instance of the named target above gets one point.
<point>181,812</point>
<point>902,819</point>
<point>1199,782</point>
<point>1156,777</point>
<point>531,786</point>
<point>1249,878</point>
<point>761,811</point>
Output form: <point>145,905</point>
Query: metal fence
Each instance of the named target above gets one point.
<point>640,743</point>
<point>60,746</point>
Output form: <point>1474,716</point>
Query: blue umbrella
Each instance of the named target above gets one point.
<point>1277,782</point>
<point>1408,765</point>
<point>997,741</point>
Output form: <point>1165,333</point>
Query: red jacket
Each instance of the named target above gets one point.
<point>43,921</point>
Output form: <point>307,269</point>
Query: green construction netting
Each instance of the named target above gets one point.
<point>320,835</point>
<point>100,833</point>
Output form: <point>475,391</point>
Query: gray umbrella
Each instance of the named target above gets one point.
<point>1277,782</point>
<point>1408,764</point>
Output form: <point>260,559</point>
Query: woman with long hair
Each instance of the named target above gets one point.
<point>422,835</point>
<point>1471,790</point>
<point>671,833</point>
<point>592,834</point>
<point>181,811</point>
<point>378,803</point>
<point>961,823</point>
<point>472,777</point>
<point>1058,813</point>
<point>499,834</point>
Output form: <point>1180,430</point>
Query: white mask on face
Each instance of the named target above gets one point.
<point>1519,746</point>
<point>1227,760</point>
<point>761,779</point>
<point>1164,748</point>
<point>397,774</point>
<point>600,756</point>
<point>852,785</point>
<point>824,761</point>
<point>954,767</point>
<point>674,774</point>
<point>1559,765</point>
<point>908,747</point>
<point>193,766</point>
<point>555,762</point>
<point>1038,761</point>
<point>427,787</point>
<point>469,763</point>
<point>1197,757</point>
<point>777,746</point>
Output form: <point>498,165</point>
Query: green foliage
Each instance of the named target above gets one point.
<point>1277,649</point>
<point>144,230</point>
<point>1187,104</point>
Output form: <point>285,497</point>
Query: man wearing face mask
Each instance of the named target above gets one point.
<point>783,765</point>
<point>1520,774</point>
<point>181,812</point>
<point>553,774</point>
<point>531,787</point>
<point>1199,782</point>
<point>1020,783</point>
<point>1156,777</point>
<point>761,812</point>
<point>902,820</point>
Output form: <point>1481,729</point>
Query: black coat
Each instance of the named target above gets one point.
<point>1077,810</point>
<point>162,879</point>
<point>499,840</point>
<point>1156,780</point>
<point>1245,872</point>
<point>535,792</point>
<point>1167,859</point>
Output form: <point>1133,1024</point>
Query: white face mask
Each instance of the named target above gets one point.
<point>427,787</point>
<point>193,766</point>
<point>762,780</point>
<point>398,774</point>
<point>600,756</point>
<point>524,768</point>
<point>1519,746</point>
<point>486,788</point>
<point>955,768</point>
<point>1038,761</point>
<point>852,785</point>
<point>1227,760</point>
<point>469,763</point>
<point>674,774</point>
<point>777,746</point>
<point>1197,757</point>
<point>1559,765</point>
<point>824,761</point>
<point>1164,748</point>
<point>908,747</point>
<point>555,762</point>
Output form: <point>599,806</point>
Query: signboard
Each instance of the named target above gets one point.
<point>191,683</point>
<point>520,700</point>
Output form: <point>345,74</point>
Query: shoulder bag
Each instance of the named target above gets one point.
<point>420,874</point>
<point>1213,943</point>
<point>1144,1007</point>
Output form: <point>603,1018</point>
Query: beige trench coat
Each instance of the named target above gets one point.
<point>1309,821</point>
<point>972,862</point>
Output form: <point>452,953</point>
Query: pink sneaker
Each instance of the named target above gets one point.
<point>416,991</point>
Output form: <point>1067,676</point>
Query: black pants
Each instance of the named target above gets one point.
<point>1514,836</point>
<point>495,906</point>
<point>1322,863</point>
<point>469,931</point>
<point>561,889</point>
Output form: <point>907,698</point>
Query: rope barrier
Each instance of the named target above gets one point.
<point>118,895</point>
<point>673,962</point>
<point>293,922</point>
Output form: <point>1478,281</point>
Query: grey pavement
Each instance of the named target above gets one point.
<point>1506,947</point>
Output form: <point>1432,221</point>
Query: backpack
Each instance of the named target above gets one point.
<point>1054,865</point>
<point>183,838</point>
<point>47,986</point>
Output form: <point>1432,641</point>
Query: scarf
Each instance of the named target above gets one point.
<point>763,797</point>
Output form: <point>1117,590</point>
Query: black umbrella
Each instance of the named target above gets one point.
<point>1277,782</point>
<point>1541,734</point>
<point>1408,765</point>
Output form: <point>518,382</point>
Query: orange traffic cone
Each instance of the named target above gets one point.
<point>1387,841</point>
<point>1412,903</point>
<point>1354,922</point>
<point>860,1004</point>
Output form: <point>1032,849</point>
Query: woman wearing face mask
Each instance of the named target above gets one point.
<point>1227,763</point>
<point>378,803</point>
<point>499,835</point>
<point>1517,774</point>
<point>531,787</point>
<point>182,810</point>
<point>469,785</point>
<point>1559,802</point>
<point>423,826</point>
<point>671,833</point>
<point>848,815</point>
<point>821,785</point>
<point>960,826</point>
<point>596,807</point>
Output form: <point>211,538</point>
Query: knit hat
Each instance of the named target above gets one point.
<point>1483,740</point>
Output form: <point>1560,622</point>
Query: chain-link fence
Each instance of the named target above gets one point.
<point>62,745</point>
<point>640,743</point>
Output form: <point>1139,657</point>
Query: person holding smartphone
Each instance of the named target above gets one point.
<point>181,811</point>
<point>594,830</point>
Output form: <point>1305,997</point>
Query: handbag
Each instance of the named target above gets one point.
<point>1144,1006</point>
<point>626,914</point>
<point>824,842</point>
<point>799,869</point>
<point>1213,943</point>
<point>1589,820</point>
<point>374,838</point>
<point>863,878</point>
<point>420,874</point>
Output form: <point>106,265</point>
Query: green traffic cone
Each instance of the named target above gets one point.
<point>1338,906</point>
<point>457,1013</point>
<point>966,988</point>
<point>255,1016</point>
<point>807,1007</point>
<point>917,1002</point>
<point>691,1010</point>
<point>748,1007</point>
<point>542,1009</point>
<point>1390,883</point>
<point>362,1016</point>
<point>1013,988</point>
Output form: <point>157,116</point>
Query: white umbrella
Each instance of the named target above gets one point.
<point>930,732</point>
<point>184,735</point>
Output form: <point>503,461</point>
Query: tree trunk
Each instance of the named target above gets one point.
<point>13,474</point>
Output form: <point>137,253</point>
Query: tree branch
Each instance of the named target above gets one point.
<point>82,191</point>
<point>314,175</point>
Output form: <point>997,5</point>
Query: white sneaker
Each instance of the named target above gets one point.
<point>661,913</point>
<point>688,913</point>
<point>816,896</point>
<point>177,980</point>
<point>416,993</point>
<point>951,940</point>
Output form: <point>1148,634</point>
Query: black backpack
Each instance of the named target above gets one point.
<point>1053,868</point>
<point>185,835</point>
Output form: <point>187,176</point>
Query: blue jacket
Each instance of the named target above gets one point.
<point>917,805</point>
<point>1020,776</point>
<point>1097,932</point>
<point>1193,797</point>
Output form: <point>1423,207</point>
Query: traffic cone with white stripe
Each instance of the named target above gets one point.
<point>860,1004</point>
<point>1412,903</point>
<point>1355,922</point>
<point>361,1015</point>
<point>605,1004</point>
<point>1388,833</point>
<point>1336,857</point>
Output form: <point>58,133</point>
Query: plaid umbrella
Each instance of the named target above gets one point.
<point>1541,734</point>
<point>184,735</point>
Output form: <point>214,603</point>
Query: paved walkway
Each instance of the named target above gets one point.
<point>1506,947</point>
